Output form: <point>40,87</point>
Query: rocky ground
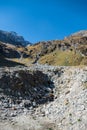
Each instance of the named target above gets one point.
<point>42,97</point>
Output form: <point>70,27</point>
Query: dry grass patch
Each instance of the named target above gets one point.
<point>63,58</point>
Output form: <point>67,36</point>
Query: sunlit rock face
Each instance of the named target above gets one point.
<point>81,33</point>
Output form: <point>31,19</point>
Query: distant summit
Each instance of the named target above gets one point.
<point>12,38</point>
<point>82,33</point>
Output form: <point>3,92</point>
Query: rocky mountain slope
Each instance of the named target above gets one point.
<point>68,52</point>
<point>44,86</point>
<point>61,52</point>
<point>12,38</point>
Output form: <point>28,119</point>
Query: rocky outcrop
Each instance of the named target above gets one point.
<point>8,52</point>
<point>81,33</point>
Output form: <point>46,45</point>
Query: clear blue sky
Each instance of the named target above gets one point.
<point>39,20</point>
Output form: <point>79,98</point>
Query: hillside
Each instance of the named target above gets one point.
<point>8,52</point>
<point>71,51</point>
<point>43,86</point>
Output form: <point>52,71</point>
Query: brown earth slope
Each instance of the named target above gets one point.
<point>68,52</point>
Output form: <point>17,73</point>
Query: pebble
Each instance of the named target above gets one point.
<point>80,107</point>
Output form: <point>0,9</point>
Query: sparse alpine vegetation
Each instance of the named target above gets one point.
<point>72,51</point>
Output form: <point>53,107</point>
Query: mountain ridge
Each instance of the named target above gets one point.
<point>12,38</point>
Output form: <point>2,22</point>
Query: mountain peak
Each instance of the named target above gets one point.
<point>13,38</point>
<point>81,33</point>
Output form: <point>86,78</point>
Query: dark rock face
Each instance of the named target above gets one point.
<point>33,87</point>
<point>25,55</point>
<point>12,38</point>
<point>8,52</point>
